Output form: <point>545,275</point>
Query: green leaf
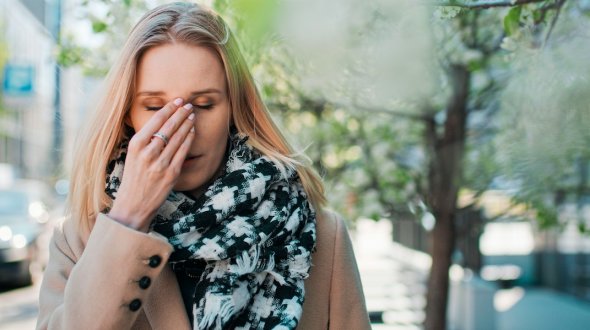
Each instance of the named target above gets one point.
<point>582,227</point>
<point>99,26</point>
<point>536,15</point>
<point>512,20</point>
<point>267,90</point>
<point>68,55</point>
<point>259,15</point>
<point>546,215</point>
<point>474,66</point>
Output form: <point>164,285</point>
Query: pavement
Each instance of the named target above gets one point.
<point>19,307</point>
<point>393,279</point>
<point>544,309</point>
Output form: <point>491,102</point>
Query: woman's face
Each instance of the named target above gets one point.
<point>197,76</point>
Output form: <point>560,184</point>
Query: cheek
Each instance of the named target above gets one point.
<point>211,131</point>
<point>139,118</point>
<point>210,138</point>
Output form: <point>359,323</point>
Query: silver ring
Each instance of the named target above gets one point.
<point>162,136</point>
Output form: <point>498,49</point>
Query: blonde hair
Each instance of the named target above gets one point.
<point>190,24</point>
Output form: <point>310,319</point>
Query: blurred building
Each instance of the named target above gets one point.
<point>28,85</point>
<point>42,104</point>
<point>563,255</point>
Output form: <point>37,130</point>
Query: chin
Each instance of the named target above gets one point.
<point>188,182</point>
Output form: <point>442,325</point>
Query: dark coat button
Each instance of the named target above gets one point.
<point>135,305</point>
<point>145,282</point>
<point>155,261</point>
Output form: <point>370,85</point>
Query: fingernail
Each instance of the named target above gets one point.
<point>191,116</point>
<point>193,129</point>
<point>178,101</point>
<point>188,106</point>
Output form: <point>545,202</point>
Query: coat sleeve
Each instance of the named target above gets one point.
<point>106,286</point>
<point>347,301</point>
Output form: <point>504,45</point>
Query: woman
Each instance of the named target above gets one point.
<point>207,219</point>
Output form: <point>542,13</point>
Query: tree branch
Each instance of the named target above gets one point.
<point>559,6</point>
<point>422,116</point>
<point>544,10</point>
<point>394,113</point>
<point>477,4</point>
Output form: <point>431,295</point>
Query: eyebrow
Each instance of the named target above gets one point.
<point>193,94</point>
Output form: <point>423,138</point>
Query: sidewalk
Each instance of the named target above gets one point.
<point>19,308</point>
<point>394,287</point>
<point>394,278</point>
<point>544,309</point>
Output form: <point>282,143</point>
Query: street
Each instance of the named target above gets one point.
<point>393,279</point>
<point>19,307</point>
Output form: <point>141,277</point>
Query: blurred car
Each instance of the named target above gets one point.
<point>24,209</point>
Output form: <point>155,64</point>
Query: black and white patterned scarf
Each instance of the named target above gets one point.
<point>252,231</point>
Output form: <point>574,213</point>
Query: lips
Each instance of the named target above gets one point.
<point>190,160</point>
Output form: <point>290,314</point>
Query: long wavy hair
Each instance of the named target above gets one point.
<point>189,24</point>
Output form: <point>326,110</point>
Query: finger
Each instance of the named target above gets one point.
<point>177,139</point>
<point>171,126</point>
<point>182,151</point>
<point>158,119</point>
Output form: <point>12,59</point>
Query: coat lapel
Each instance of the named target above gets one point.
<point>164,307</point>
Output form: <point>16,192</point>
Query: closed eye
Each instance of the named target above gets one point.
<point>204,107</point>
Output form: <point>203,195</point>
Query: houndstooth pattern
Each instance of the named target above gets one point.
<point>252,232</point>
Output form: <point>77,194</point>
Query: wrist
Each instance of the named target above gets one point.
<point>128,219</point>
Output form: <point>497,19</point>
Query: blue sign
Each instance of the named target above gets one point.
<point>18,80</point>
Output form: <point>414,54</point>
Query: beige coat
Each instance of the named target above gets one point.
<point>96,282</point>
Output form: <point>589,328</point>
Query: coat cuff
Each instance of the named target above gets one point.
<point>115,273</point>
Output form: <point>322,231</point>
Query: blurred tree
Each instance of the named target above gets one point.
<point>544,143</point>
<point>473,61</point>
<point>110,21</point>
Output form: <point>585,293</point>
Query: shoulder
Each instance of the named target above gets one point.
<point>330,227</point>
<point>330,220</point>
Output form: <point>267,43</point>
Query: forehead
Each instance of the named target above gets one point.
<point>178,68</point>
